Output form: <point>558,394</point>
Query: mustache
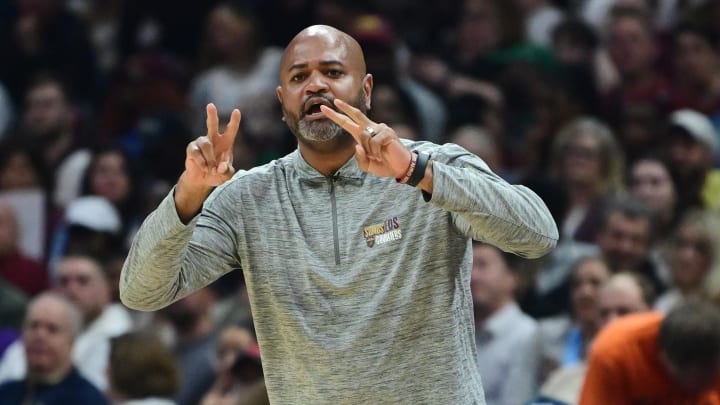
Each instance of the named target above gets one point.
<point>314,98</point>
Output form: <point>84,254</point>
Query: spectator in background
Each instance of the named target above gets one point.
<point>693,259</point>
<point>651,359</point>
<point>632,47</point>
<point>696,79</point>
<point>141,371</point>
<point>625,293</point>
<point>625,238</point>
<point>621,295</point>
<point>50,329</point>
<point>588,162</point>
<point>26,183</point>
<point>22,272</point>
<point>239,374</point>
<point>194,347</point>
<point>82,280</point>
<point>566,338</point>
<point>386,57</point>
<point>480,142</point>
<point>690,144</point>
<point>241,72</point>
<point>506,338</point>
<point>650,179</point>
<point>43,35</point>
<point>91,225</point>
<point>50,124</point>
<point>111,174</point>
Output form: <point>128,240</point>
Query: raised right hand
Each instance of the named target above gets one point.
<point>208,160</point>
<point>208,163</point>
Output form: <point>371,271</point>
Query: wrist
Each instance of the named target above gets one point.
<point>416,170</point>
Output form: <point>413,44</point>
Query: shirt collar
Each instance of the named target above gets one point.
<point>349,170</point>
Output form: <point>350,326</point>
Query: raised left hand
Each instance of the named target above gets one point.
<point>378,150</point>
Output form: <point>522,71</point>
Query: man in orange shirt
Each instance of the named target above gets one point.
<point>647,359</point>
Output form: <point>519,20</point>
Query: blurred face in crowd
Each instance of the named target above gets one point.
<point>232,342</point>
<point>492,282</point>
<point>688,155</point>
<point>229,32</point>
<point>82,281</point>
<point>624,241</point>
<point>8,230</point>
<point>478,31</point>
<point>651,182</point>
<point>586,281</point>
<point>48,337</point>
<point>109,177</point>
<point>319,65</point>
<point>18,172</point>
<point>479,142</point>
<point>620,296</point>
<point>185,313</point>
<point>691,256</point>
<point>581,160</point>
<point>631,46</point>
<point>695,59</point>
<point>46,111</point>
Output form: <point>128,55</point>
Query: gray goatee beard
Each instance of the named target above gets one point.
<point>318,130</point>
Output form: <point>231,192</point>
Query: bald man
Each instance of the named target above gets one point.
<point>624,293</point>
<point>356,247</point>
<point>49,331</point>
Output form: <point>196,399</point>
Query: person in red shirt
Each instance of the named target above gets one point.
<point>647,359</point>
<point>22,272</point>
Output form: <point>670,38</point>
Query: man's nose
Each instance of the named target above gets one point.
<point>317,83</point>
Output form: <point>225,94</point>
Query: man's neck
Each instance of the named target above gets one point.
<point>51,377</point>
<point>330,156</point>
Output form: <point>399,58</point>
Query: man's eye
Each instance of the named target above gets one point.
<point>298,77</point>
<point>334,73</point>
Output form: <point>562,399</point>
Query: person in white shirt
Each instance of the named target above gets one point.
<point>506,338</point>
<point>84,282</point>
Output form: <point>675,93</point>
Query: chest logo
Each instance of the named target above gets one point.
<point>385,232</point>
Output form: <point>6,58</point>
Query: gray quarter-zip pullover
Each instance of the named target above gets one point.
<point>359,288</point>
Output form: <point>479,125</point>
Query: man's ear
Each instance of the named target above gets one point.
<point>367,89</point>
<point>278,91</point>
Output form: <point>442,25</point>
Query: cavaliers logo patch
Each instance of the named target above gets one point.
<point>385,232</point>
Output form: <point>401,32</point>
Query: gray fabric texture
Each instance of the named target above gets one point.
<point>359,287</point>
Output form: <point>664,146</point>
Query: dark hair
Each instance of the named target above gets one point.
<point>706,33</point>
<point>690,335</point>
<point>629,206</point>
<point>141,366</point>
<point>576,31</point>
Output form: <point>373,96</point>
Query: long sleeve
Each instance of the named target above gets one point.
<point>170,259</point>
<point>485,207</point>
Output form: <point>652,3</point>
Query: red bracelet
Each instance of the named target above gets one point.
<point>410,169</point>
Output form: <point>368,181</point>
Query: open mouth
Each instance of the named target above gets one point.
<point>312,108</point>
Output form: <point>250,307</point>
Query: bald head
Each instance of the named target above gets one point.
<point>623,294</point>
<point>328,37</point>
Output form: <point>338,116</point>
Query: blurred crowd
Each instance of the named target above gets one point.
<point>608,109</point>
